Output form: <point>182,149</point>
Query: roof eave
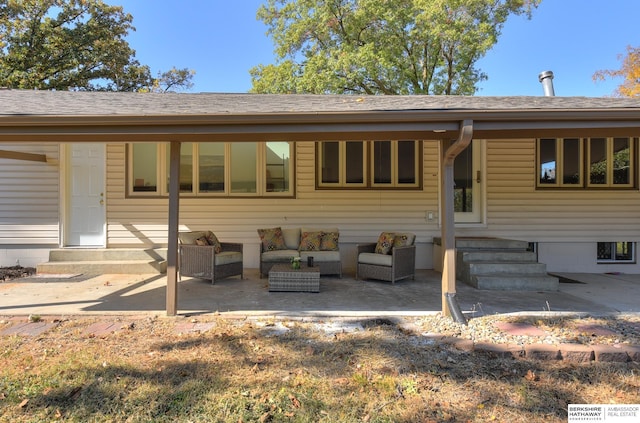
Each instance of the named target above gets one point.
<point>376,124</point>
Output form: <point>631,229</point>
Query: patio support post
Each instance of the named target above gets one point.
<point>451,150</point>
<point>172,248</point>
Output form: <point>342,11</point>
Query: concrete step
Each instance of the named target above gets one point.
<point>107,254</point>
<point>506,268</point>
<point>517,282</point>
<point>500,264</point>
<point>100,267</point>
<point>496,256</point>
<point>105,261</point>
<point>491,244</point>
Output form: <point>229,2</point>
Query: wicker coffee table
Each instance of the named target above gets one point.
<point>283,278</point>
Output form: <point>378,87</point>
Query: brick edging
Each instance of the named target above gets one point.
<point>575,353</point>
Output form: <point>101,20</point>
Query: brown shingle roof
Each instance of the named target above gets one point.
<point>47,116</point>
<point>64,103</point>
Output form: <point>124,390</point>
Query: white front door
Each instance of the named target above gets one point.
<point>468,183</point>
<point>85,217</point>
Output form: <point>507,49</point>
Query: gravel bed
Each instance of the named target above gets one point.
<point>583,330</point>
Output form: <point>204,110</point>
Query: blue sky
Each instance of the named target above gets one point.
<point>221,40</point>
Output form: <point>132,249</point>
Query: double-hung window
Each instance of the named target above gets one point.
<point>609,161</point>
<point>369,164</point>
<point>394,164</point>
<point>560,162</point>
<point>342,164</point>
<point>214,169</point>
<point>586,162</point>
<point>618,252</point>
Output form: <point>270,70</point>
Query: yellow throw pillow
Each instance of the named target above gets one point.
<point>310,241</point>
<point>272,239</point>
<point>329,241</point>
<point>385,243</point>
<point>213,240</point>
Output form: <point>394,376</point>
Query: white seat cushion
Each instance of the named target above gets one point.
<point>226,257</point>
<point>320,256</point>
<point>374,258</point>
<point>279,255</point>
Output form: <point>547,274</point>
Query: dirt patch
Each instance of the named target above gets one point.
<point>15,272</point>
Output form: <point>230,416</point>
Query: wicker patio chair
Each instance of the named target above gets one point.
<point>203,262</point>
<point>399,264</point>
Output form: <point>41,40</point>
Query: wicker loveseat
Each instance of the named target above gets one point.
<point>202,256</point>
<point>392,258</point>
<point>279,245</point>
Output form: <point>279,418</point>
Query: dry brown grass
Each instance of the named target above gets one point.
<point>285,371</point>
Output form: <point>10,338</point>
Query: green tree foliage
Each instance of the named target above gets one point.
<point>381,46</point>
<point>172,80</point>
<point>74,44</point>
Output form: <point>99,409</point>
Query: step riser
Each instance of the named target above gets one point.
<point>497,256</point>
<point>507,268</point>
<point>542,283</point>
<point>486,243</point>
<point>90,268</point>
<point>491,244</point>
<point>116,254</point>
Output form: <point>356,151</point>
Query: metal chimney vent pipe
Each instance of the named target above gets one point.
<point>546,78</point>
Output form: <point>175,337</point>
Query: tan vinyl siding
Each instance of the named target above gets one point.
<point>29,210</point>
<point>515,209</point>
<point>359,214</point>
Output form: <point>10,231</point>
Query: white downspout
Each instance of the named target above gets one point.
<point>448,223</point>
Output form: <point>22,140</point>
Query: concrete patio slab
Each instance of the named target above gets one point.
<point>135,294</point>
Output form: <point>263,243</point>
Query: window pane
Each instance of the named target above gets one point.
<point>330,162</point>
<point>278,162</point>
<point>624,251</point>
<point>571,161</point>
<point>354,162</point>
<point>463,181</point>
<point>621,161</point>
<point>406,162</point>
<point>604,251</point>
<point>243,167</point>
<point>616,251</point>
<point>186,166</point>
<point>598,161</point>
<point>548,161</point>
<point>382,162</point>
<point>145,165</point>
<point>211,167</point>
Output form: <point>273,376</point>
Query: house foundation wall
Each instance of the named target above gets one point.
<point>28,256</point>
<point>579,257</point>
